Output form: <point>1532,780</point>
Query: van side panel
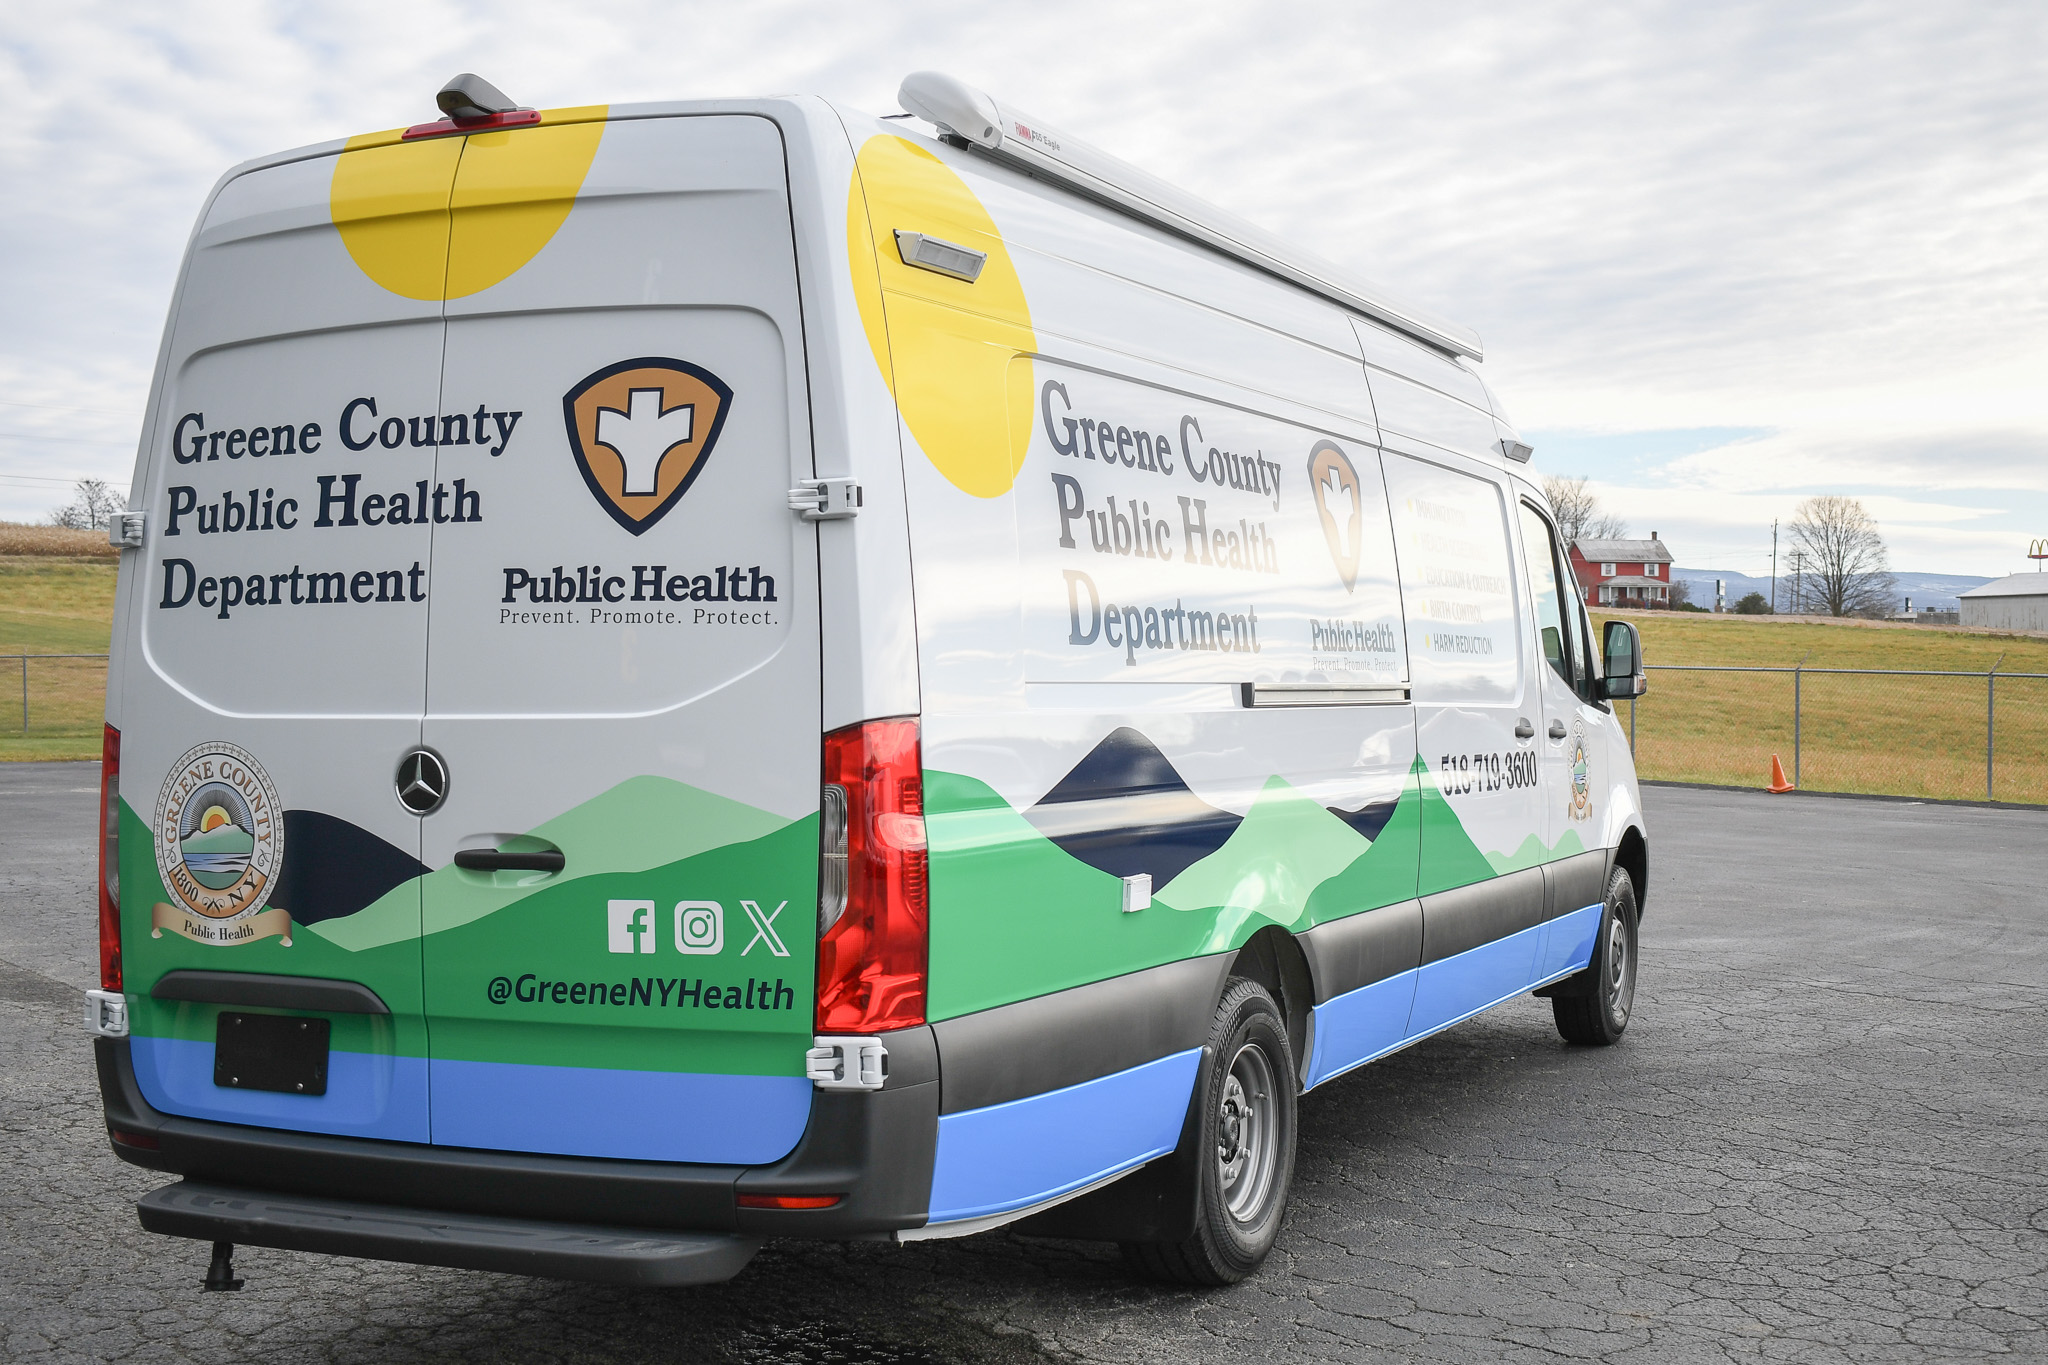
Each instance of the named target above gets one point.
<point>1113,531</point>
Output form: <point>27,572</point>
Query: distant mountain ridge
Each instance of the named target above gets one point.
<point>1929,591</point>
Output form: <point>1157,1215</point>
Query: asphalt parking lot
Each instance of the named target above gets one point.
<point>1823,1139</point>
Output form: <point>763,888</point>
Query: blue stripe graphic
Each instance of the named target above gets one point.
<point>1569,947</point>
<point>638,1115</point>
<point>1011,1156</point>
<point>1360,1025</point>
<point>368,1095</point>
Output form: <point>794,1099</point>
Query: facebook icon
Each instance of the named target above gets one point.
<point>632,926</point>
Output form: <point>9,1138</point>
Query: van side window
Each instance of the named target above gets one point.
<point>1547,588</point>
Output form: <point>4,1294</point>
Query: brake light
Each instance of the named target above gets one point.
<point>871,889</point>
<point>110,860</point>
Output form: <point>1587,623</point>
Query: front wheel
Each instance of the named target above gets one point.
<point>1593,1008</point>
<point>1243,1136</point>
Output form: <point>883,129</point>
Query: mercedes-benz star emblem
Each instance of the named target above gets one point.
<point>422,781</point>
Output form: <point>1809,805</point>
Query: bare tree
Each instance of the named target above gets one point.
<point>90,510</point>
<point>1578,511</point>
<point>1844,568</point>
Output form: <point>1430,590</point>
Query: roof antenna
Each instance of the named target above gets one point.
<point>469,98</point>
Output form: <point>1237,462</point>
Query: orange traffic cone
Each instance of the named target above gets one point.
<point>1778,782</point>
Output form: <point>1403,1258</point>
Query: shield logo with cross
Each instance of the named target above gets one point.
<point>642,431</point>
<point>1339,506</point>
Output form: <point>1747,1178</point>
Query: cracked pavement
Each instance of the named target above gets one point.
<point>1821,1140</point>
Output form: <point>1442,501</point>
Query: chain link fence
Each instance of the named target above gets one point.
<point>1895,732</point>
<point>53,696</point>
<point>1955,736</point>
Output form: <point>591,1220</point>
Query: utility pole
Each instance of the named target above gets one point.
<point>1798,582</point>
<point>1774,566</point>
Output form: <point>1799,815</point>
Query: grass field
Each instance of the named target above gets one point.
<point>1909,736</point>
<point>54,604</point>
<point>1905,736</point>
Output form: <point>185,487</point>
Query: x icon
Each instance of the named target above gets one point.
<point>764,928</point>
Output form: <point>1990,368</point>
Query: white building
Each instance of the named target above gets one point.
<point>2016,602</point>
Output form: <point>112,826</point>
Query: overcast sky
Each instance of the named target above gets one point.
<point>1723,255</point>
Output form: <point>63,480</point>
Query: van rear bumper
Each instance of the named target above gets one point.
<point>874,1149</point>
<point>518,1246</point>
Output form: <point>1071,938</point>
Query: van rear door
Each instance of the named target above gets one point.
<point>276,673</point>
<point>623,669</point>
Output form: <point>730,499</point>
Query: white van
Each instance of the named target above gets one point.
<point>697,672</point>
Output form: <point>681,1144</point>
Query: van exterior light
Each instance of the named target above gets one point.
<point>1516,450</point>
<point>473,105</point>
<point>946,258</point>
<point>978,120</point>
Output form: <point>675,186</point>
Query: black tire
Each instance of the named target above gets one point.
<point>1593,1007</point>
<point>1243,1134</point>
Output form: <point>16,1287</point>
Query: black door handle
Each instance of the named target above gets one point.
<point>500,860</point>
<point>1557,729</point>
<point>1523,729</point>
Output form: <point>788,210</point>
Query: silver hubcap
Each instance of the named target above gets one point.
<point>1246,1141</point>
<point>1621,971</point>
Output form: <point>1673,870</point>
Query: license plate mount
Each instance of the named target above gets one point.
<point>280,1052</point>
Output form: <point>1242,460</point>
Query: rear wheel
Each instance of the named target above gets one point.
<point>1243,1133</point>
<point>1593,1008</point>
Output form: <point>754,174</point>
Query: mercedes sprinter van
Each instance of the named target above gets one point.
<point>696,672</point>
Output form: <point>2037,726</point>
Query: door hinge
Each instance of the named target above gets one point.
<point>847,1063</point>
<point>124,529</point>
<point>826,499</point>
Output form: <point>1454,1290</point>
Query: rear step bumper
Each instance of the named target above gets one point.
<point>518,1246</point>
<point>876,1148</point>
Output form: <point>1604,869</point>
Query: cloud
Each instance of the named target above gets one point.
<point>1820,220</point>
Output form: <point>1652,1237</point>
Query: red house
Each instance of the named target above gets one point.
<point>1623,573</point>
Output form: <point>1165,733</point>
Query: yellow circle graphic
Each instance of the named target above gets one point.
<point>955,355</point>
<point>445,217</point>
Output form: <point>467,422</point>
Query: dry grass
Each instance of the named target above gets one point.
<point>1897,735</point>
<point>19,538</point>
<point>54,604</point>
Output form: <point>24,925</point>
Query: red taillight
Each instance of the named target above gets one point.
<point>788,1201</point>
<point>110,860</point>
<point>871,906</point>
<point>146,1141</point>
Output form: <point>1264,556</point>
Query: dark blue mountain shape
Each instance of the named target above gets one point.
<point>1370,818</point>
<point>1125,810</point>
<point>333,868</point>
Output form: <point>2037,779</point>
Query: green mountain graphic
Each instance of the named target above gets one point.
<point>1449,857</point>
<point>643,822</point>
<point>1532,853</point>
<point>1286,846</point>
<point>1385,873</point>
<point>220,839</point>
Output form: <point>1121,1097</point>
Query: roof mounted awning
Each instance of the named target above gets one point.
<point>975,119</point>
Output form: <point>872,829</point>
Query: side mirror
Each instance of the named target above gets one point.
<point>1623,650</point>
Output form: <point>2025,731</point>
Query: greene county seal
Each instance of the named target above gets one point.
<point>219,835</point>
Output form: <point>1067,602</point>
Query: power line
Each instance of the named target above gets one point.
<point>65,482</point>
<point>62,407</point>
